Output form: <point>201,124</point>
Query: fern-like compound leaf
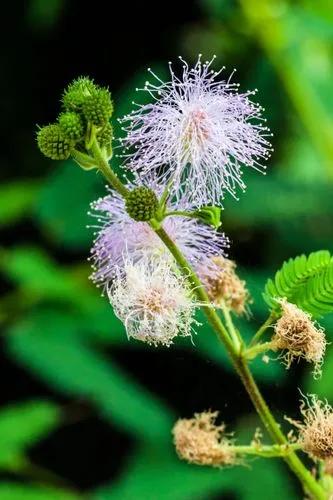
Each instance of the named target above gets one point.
<point>306,281</point>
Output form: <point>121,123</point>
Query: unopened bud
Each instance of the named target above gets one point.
<point>71,125</point>
<point>53,143</point>
<point>104,137</point>
<point>97,107</point>
<point>77,92</point>
<point>141,203</point>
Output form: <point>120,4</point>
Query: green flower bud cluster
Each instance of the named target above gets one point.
<point>141,204</point>
<point>87,109</point>
<point>53,143</point>
<point>72,125</point>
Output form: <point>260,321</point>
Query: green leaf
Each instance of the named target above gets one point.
<point>21,425</point>
<point>32,269</point>
<point>16,200</point>
<point>305,281</point>
<point>63,205</point>
<point>274,200</point>
<point>40,279</point>
<point>322,386</point>
<point>157,473</point>
<point>14,491</point>
<point>55,352</point>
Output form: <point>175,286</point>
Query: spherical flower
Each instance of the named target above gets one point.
<point>199,130</point>
<point>298,337</point>
<point>119,235</point>
<point>200,441</point>
<point>153,301</point>
<point>316,430</point>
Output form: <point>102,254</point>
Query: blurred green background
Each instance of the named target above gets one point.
<point>86,414</point>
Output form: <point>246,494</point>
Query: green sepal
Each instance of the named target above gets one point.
<point>83,160</point>
<point>210,215</point>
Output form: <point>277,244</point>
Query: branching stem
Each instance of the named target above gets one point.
<point>240,363</point>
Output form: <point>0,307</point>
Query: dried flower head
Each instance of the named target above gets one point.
<point>154,302</point>
<point>223,285</point>
<point>200,441</point>
<point>316,430</point>
<point>199,130</point>
<point>298,336</point>
<point>118,235</point>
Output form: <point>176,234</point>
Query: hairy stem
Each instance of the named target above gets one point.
<point>267,451</point>
<point>106,170</point>
<point>252,352</point>
<point>240,363</point>
<point>234,333</point>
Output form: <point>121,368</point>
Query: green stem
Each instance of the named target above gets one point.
<point>271,318</point>
<point>252,352</point>
<point>307,480</point>
<point>181,213</point>
<point>106,170</point>
<point>267,451</point>
<point>234,333</point>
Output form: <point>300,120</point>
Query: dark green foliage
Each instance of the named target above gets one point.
<point>22,425</point>
<point>53,143</point>
<point>59,332</point>
<point>305,281</point>
<point>141,204</point>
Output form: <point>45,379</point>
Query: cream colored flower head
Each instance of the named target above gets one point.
<point>299,337</point>
<point>153,301</point>
<point>200,441</point>
<point>316,429</point>
<point>223,285</point>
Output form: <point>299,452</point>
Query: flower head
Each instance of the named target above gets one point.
<point>200,441</point>
<point>223,284</point>
<point>199,130</point>
<point>299,337</point>
<point>316,430</point>
<point>154,302</point>
<point>118,235</point>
